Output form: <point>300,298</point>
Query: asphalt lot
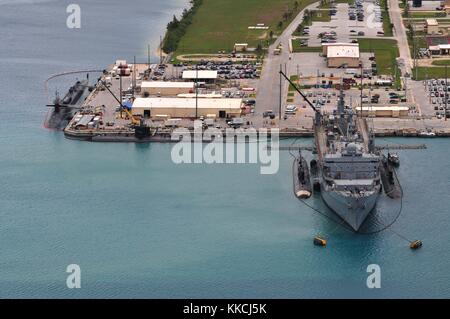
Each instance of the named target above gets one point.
<point>341,24</point>
<point>308,64</point>
<point>269,83</point>
<point>431,96</point>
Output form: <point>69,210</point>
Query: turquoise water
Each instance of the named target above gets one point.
<point>140,226</point>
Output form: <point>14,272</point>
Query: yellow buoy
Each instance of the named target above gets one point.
<point>319,241</point>
<point>415,244</point>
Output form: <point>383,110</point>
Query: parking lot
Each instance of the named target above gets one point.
<point>438,97</point>
<point>226,70</point>
<point>347,24</point>
<point>310,64</point>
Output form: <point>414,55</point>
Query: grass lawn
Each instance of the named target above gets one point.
<point>441,62</point>
<point>327,3</point>
<point>429,73</point>
<point>387,25</point>
<point>422,21</point>
<point>430,14</point>
<point>421,42</point>
<point>386,52</point>
<point>320,16</point>
<point>296,47</point>
<point>219,24</point>
<point>293,78</point>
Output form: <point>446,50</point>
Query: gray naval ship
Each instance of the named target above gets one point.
<point>348,169</point>
<point>347,166</point>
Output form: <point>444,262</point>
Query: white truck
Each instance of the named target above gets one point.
<point>209,122</point>
<point>172,123</point>
<point>236,122</point>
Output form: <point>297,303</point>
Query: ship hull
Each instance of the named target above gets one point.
<point>353,210</point>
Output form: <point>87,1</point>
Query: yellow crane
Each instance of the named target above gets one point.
<point>130,115</point>
<point>123,108</point>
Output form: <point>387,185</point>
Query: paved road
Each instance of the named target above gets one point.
<point>400,35</point>
<point>405,53</point>
<point>268,97</point>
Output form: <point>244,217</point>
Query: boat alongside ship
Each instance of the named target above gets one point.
<point>393,158</point>
<point>349,165</point>
<point>348,169</point>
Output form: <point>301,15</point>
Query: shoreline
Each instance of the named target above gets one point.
<point>406,128</point>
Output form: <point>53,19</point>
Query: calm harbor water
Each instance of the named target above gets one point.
<point>141,226</point>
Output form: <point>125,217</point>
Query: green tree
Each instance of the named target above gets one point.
<point>259,49</point>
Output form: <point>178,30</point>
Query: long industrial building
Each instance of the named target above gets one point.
<point>167,88</point>
<point>186,107</point>
<point>383,111</point>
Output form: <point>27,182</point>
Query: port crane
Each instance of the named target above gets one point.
<point>124,107</point>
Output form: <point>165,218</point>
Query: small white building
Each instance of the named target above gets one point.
<point>240,47</point>
<point>440,49</point>
<point>341,54</point>
<point>186,107</point>
<point>200,75</point>
<point>167,88</point>
<point>432,26</point>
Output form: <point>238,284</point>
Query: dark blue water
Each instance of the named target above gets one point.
<point>140,226</point>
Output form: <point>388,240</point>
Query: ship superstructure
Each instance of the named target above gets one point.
<point>347,167</point>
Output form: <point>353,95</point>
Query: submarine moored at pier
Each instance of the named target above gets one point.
<point>64,109</point>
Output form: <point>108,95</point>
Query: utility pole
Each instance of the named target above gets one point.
<point>446,94</point>
<point>395,75</point>
<point>416,69</point>
<point>148,56</point>
<point>279,106</point>
<point>318,79</point>
<point>406,86</point>
<point>134,76</point>
<point>196,91</point>
<point>361,93</point>
<point>160,49</point>
<point>120,90</point>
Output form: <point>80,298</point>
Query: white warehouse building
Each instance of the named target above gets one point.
<point>207,76</point>
<point>167,88</point>
<point>341,54</point>
<point>164,108</point>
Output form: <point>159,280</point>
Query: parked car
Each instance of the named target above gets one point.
<point>269,114</point>
<point>290,109</point>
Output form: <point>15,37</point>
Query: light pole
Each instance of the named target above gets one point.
<point>446,94</point>
<point>361,93</point>
<point>279,106</point>
<point>196,91</point>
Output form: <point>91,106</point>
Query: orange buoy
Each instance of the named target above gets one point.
<point>415,244</point>
<point>319,241</point>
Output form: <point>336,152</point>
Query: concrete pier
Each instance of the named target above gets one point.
<point>109,124</point>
